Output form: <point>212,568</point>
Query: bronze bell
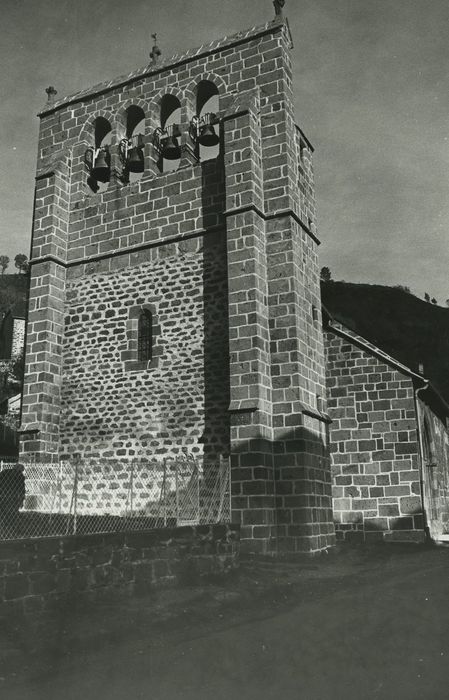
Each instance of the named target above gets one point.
<point>170,148</point>
<point>207,136</point>
<point>135,160</point>
<point>101,170</point>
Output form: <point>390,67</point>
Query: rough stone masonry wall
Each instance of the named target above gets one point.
<point>38,575</point>
<point>181,400</point>
<point>18,338</point>
<point>374,448</point>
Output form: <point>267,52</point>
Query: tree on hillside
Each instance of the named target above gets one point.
<point>325,275</point>
<point>4,262</point>
<point>21,262</point>
<point>434,301</point>
<point>427,296</point>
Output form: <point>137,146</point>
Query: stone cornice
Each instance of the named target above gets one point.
<point>122,251</point>
<point>170,63</point>
<point>280,213</point>
<point>174,239</point>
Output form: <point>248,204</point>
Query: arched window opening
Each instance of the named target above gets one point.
<point>103,132</point>
<point>135,121</point>
<point>143,348</point>
<point>170,111</point>
<point>98,159</point>
<point>207,106</point>
<point>145,336</point>
<point>134,143</point>
<point>168,134</point>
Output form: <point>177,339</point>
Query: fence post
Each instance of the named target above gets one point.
<point>75,503</point>
<point>164,487</point>
<point>229,485</point>
<point>221,487</point>
<point>59,486</point>
<point>72,499</point>
<point>177,490</point>
<point>225,485</point>
<point>131,495</point>
<point>198,504</point>
<point>54,492</point>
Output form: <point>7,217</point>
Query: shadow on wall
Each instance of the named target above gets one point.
<point>216,317</point>
<point>282,489</point>
<point>394,528</point>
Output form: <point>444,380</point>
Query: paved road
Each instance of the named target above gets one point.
<point>383,635</point>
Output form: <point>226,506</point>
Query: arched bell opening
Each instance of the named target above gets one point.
<point>98,158</point>
<point>167,136</point>
<point>205,129</point>
<point>132,146</point>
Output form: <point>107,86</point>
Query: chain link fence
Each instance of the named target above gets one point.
<point>73,498</point>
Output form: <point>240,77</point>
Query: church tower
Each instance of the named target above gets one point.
<point>175,301</point>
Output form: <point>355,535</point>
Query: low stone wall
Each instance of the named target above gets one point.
<point>37,575</point>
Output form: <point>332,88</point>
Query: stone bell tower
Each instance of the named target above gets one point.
<point>175,301</point>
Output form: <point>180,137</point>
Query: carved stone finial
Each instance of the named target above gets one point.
<point>51,93</point>
<point>155,51</point>
<point>278,8</point>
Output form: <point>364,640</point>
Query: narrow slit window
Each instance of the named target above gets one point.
<point>145,336</point>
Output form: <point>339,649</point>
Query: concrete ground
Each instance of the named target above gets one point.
<point>363,623</point>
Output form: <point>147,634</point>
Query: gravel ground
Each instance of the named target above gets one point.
<point>362,622</point>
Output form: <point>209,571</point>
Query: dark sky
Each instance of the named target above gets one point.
<point>371,89</point>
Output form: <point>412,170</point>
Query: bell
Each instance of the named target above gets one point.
<point>135,160</point>
<point>170,149</point>
<point>93,184</point>
<point>100,171</point>
<point>207,136</point>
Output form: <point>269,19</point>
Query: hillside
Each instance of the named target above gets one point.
<point>13,290</point>
<point>411,330</point>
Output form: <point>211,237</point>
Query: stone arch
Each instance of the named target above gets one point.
<point>88,128</point>
<point>103,129</point>
<point>204,100</point>
<point>207,91</point>
<point>169,105</point>
<point>122,113</point>
<point>167,120</point>
<point>154,106</point>
<point>93,135</point>
<point>130,357</point>
<point>145,339</point>
<point>192,88</point>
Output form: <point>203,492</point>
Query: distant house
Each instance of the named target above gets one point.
<point>389,443</point>
<point>12,332</point>
<point>12,337</point>
<point>9,438</point>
